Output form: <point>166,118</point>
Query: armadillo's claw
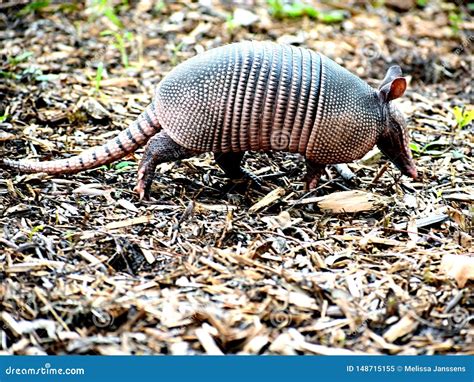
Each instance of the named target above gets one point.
<point>230,163</point>
<point>140,187</point>
<point>313,174</point>
<point>311,184</point>
<point>249,175</point>
<point>160,148</point>
<point>146,171</point>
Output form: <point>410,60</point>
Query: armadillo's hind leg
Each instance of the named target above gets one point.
<point>160,148</point>
<point>313,174</point>
<point>231,164</point>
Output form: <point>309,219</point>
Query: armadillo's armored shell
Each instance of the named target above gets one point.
<point>349,117</point>
<point>265,96</point>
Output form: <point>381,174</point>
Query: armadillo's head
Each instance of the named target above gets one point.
<point>393,141</point>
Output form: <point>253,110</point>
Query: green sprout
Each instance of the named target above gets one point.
<point>98,76</point>
<point>159,6</point>
<point>46,77</point>
<point>429,148</point>
<point>9,75</point>
<point>333,16</point>
<point>33,7</point>
<point>296,9</point>
<point>176,49</point>
<point>120,40</point>
<point>455,19</point>
<point>37,74</point>
<point>104,8</point>
<point>463,116</point>
<point>20,58</point>
<point>230,23</point>
<point>124,166</point>
<point>35,230</point>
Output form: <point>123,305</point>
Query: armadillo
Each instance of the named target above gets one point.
<point>256,96</point>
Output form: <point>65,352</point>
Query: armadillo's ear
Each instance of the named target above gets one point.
<point>393,89</point>
<point>392,73</point>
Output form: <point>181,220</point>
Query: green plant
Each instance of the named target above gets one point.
<point>4,117</point>
<point>230,23</point>
<point>334,16</point>
<point>104,8</point>
<point>68,7</point>
<point>159,6</point>
<point>47,6</point>
<point>296,9</point>
<point>463,116</point>
<point>429,148</point>
<point>34,230</point>
<point>98,76</point>
<point>10,75</point>
<point>20,58</point>
<point>422,3</point>
<point>33,7</point>
<point>46,77</point>
<point>176,49</point>
<point>29,73</point>
<point>279,9</point>
<point>455,18</point>
<point>33,72</point>
<point>124,166</point>
<point>70,236</point>
<point>120,39</point>
<point>275,8</point>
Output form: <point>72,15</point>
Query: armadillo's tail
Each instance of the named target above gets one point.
<point>127,141</point>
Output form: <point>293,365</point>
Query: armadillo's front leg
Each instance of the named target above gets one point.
<point>161,148</point>
<point>231,164</point>
<point>313,173</point>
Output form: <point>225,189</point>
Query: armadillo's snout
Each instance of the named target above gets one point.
<point>395,146</point>
<point>411,171</point>
<point>400,156</point>
<point>402,160</point>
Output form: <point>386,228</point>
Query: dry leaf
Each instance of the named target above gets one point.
<point>282,220</point>
<point>128,222</point>
<point>201,207</point>
<point>350,201</point>
<point>150,258</point>
<point>4,136</point>
<point>460,267</point>
<point>412,230</point>
<point>206,340</point>
<point>268,199</point>
<point>404,326</point>
<point>127,205</point>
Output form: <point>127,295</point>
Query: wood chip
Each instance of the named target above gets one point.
<point>207,341</point>
<point>460,267</point>
<point>268,199</point>
<point>129,222</point>
<point>404,326</point>
<point>350,201</point>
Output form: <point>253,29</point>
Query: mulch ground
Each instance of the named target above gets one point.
<point>375,263</point>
